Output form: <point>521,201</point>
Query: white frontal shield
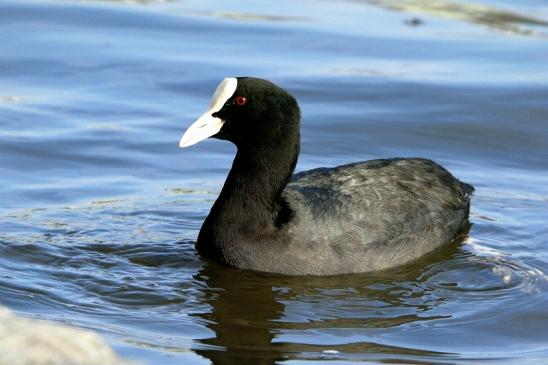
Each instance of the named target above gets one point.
<point>208,125</point>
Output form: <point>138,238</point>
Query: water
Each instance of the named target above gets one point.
<point>100,209</point>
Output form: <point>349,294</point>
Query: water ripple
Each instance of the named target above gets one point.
<point>100,208</point>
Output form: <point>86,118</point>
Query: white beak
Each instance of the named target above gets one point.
<point>204,127</point>
<point>208,125</point>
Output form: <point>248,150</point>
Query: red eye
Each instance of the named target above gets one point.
<point>240,100</point>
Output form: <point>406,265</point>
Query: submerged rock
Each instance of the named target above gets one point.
<point>29,341</point>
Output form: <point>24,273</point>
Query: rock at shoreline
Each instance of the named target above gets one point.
<point>35,342</point>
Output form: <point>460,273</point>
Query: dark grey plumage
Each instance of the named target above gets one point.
<point>373,215</point>
<point>359,217</point>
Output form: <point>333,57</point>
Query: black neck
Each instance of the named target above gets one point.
<point>253,189</point>
<point>250,202</point>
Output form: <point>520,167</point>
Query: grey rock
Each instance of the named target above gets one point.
<point>26,341</point>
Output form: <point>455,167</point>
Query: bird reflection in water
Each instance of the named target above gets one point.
<point>262,318</point>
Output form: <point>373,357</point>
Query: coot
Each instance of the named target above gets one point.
<point>359,217</point>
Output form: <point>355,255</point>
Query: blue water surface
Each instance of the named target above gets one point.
<point>100,208</point>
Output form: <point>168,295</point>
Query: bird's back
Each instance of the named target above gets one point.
<point>372,215</point>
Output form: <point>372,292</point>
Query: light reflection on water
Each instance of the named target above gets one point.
<point>100,208</point>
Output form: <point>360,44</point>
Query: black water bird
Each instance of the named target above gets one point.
<point>359,217</point>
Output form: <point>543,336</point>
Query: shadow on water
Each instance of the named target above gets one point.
<point>260,318</point>
<point>493,17</point>
<point>475,13</point>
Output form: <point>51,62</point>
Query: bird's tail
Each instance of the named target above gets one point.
<point>468,191</point>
